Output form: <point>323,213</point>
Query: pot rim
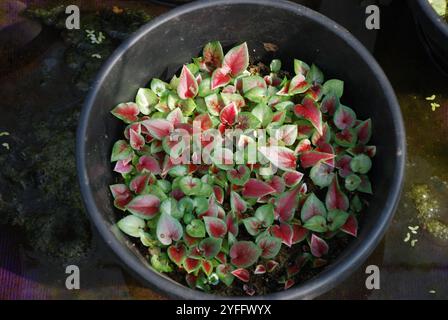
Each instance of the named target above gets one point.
<point>336,272</point>
<point>429,11</point>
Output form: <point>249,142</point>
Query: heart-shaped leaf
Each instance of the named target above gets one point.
<point>256,189</point>
<point>220,78</point>
<point>144,206</point>
<point>311,158</point>
<point>190,185</point>
<point>270,246</point>
<point>131,225</point>
<point>298,85</point>
<point>304,145</point>
<point>188,86</point>
<point>287,204</point>
<point>239,176</point>
<point>346,138</point>
<point>229,114</point>
<point>215,227</point>
<point>237,59</point>
<point>287,134</point>
<point>169,229</point>
<point>292,178</point>
<point>316,224</point>
<point>191,265</point>
<point>158,128</point>
<point>318,246</point>
<point>126,112</point>
<point>196,229</point>
<point>121,151</point>
<point>210,247</point>
<point>262,112</point>
<point>284,232</point>
<point>177,253</point>
<point>322,175</point>
<point>344,117</point>
<point>214,104</point>
<point>119,190</point>
<point>282,157</point>
<point>213,55</point>
<point>312,207</point>
<point>236,98</point>
<point>148,164</point>
<point>253,82</point>
<point>247,120</point>
<point>241,274</point>
<point>237,204</point>
<point>123,166</point>
<point>343,165</point>
<point>139,183</point>
<point>175,116</point>
<point>253,225</point>
<point>207,267</point>
<point>335,198</point>
<point>243,254</point>
<point>309,110</point>
<point>351,226</point>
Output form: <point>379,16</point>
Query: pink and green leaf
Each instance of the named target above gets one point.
<point>188,86</point>
<point>229,114</point>
<point>213,55</point>
<point>237,204</point>
<point>287,204</point>
<point>284,231</point>
<point>270,246</point>
<point>292,178</point>
<point>256,189</point>
<point>126,112</point>
<point>312,207</point>
<point>298,85</point>
<point>177,253</point>
<point>309,110</point>
<point>144,206</point>
<point>237,59</point>
<point>241,274</point>
<point>158,128</point>
<point>364,131</point>
<point>281,157</point>
<point>210,247</point>
<point>351,226</point>
<point>318,246</point>
<point>311,158</point>
<point>220,78</point>
<point>121,151</point>
<point>243,254</point>
<point>169,229</point>
<point>335,198</point>
<point>344,117</point>
<point>239,176</point>
<point>138,183</point>
<point>215,227</point>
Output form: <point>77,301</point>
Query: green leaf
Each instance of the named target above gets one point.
<point>301,67</point>
<point>131,225</point>
<point>170,206</point>
<point>270,246</point>
<point>210,247</point>
<point>257,95</point>
<point>336,219</point>
<point>161,263</point>
<point>361,164</point>
<point>334,86</point>
<point>315,75</point>
<point>275,65</point>
<point>352,182</point>
<point>252,225</point>
<point>265,214</point>
<point>159,87</point>
<point>196,229</point>
<point>121,151</point>
<point>321,174</point>
<point>312,207</point>
<point>190,185</point>
<point>316,224</point>
<point>146,99</point>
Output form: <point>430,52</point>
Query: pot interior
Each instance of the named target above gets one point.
<point>161,49</point>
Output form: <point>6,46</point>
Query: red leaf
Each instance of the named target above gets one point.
<point>231,223</point>
<point>145,206</point>
<point>158,128</point>
<point>228,114</point>
<point>220,78</point>
<point>126,111</point>
<point>177,253</point>
<point>335,198</point>
<point>292,178</point>
<point>191,264</point>
<point>148,164</point>
<point>241,274</point>
<point>287,204</point>
<point>298,233</point>
<point>237,204</point>
<point>260,269</point>
<point>298,85</point>
<point>204,120</point>
<point>139,183</point>
<point>256,189</point>
<point>243,254</point>
<point>137,141</point>
<point>311,158</point>
<point>119,190</point>
<point>219,194</point>
<point>282,157</point>
<point>215,227</point>
<point>278,184</point>
<point>343,164</point>
<point>318,246</point>
<point>329,104</point>
<point>123,166</point>
<point>271,265</point>
<point>289,283</point>
<point>221,257</point>
<point>237,59</point>
<point>283,231</point>
<point>188,86</point>
<point>303,146</point>
<point>351,226</point>
<point>207,267</point>
<point>310,111</point>
<point>364,131</point>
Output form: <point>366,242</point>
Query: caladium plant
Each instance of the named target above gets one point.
<point>218,215</point>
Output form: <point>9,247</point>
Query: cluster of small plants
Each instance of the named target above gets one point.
<point>221,223</point>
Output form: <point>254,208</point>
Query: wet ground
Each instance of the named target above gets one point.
<point>44,227</point>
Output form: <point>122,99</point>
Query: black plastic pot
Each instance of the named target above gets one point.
<point>433,32</point>
<point>171,3</point>
<point>161,47</point>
